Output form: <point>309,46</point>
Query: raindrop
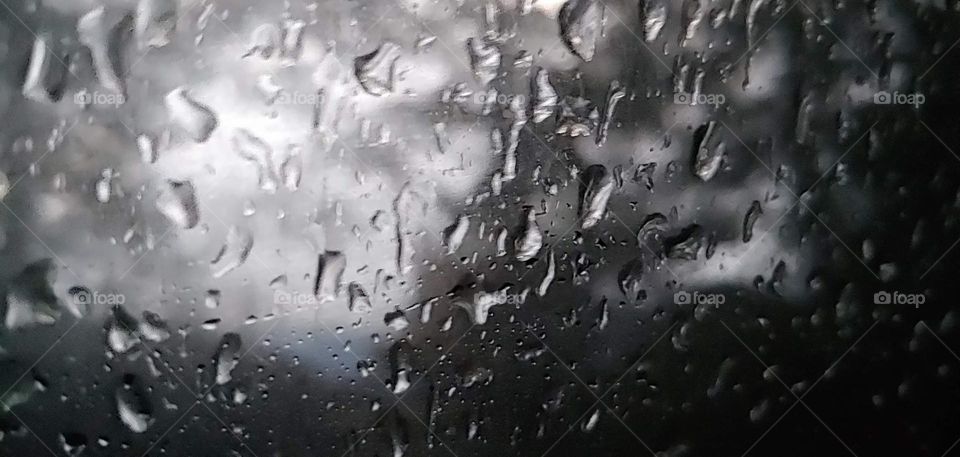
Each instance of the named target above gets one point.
<point>227,357</point>
<point>484,59</point>
<point>454,235</point>
<point>253,149</point>
<point>178,202</point>
<point>194,118</point>
<point>264,41</point>
<point>528,244</point>
<point>545,97</point>
<point>595,191</point>
<point>653,16</point>
<point>751,218</point>
<point>359,301</point>
<point>376,71</point>
<point>581,24</point>
<point>95,30</point>
<point>155,22</point>
<point>330,269</point>
<point>132,406</point>
<point>233,253</point>
<point>709,153</point>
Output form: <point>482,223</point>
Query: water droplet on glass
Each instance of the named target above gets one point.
<point>750,219</point>
<point>264,41</point>
<point>104,185</point>
<point>155,22</point>
<point>359,300</point>
<point>549,275</point>
<point>147,145</point>
<point>581,24</point>
<point>596,188</point>
<point>30,297</point>
<point>194,118</point>
<point>376,71</point>
<point>330,268</point>
<point>44,76</point>
<point>233,253</point>
<point>178,202</point>
<point>454,235</point>
<point>227,357</point>
<point>709,153</point>
<point>545,97</point>
<point>256,151</point>
<point>484,59</point>
<point>132,406</point>
<point>153,328</point>
<point>653,16</point>
<point>96,31</point>
<point>528,243</point>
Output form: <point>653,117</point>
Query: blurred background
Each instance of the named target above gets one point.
<point>479,227</point>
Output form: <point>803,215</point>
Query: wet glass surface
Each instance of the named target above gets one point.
<point>479,227</point>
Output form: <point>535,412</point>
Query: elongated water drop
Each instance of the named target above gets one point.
<point>95,30</point>
<point>596,187</point>
<point>234,252</point>
<point>105,185</point>
<point>528,244</point>
<point>750,219</point>
<point>227,357</point>
<point>409,206</point>
<point>44,74</point>
<point>548,275</point>
<point>484,59</point>
<point>545,97</point>
<point>454,235</point>
<point>581,24</point>
<point>614,94</point>
<point>690,19</point>
<point>653,16</point>
<point>291,169</point>
<point>709,153</point>
<point>132,406</point>
<point>291,44</point>
<point>147,145</point>
<point>330,268</point>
